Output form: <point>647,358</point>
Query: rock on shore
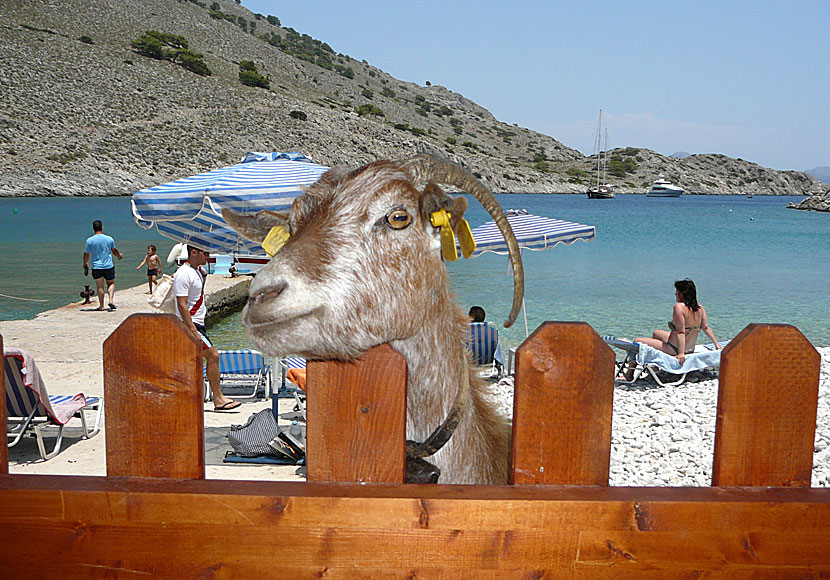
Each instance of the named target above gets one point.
<point>665,436</point>
<point>818,202</point>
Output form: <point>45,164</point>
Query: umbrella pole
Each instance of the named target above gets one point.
<point>524,312</point>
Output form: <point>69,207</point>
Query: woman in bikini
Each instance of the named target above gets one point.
<point>688,319</point>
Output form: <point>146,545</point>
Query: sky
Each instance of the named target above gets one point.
<point>745,79</point>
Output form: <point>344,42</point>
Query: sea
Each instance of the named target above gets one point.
<point>752,259</point>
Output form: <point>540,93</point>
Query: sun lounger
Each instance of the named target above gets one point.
<point>242,374</point>
<point>29,405</point>
<point>646,359</point>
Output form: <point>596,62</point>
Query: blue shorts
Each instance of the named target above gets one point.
<point>206,343</point>
<point>106,274</point>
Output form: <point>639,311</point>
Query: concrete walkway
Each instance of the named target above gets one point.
<point>67,344</point>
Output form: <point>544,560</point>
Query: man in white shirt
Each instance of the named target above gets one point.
<point>189,289</point>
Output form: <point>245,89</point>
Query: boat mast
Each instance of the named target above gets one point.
<point>598,147</point>
<point>605,163</point>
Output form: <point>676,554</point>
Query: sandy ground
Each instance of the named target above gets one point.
<point>67,344</point>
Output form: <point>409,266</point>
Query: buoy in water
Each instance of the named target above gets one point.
<point>14,210</point>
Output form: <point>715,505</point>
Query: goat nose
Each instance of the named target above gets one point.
<point>266,294</point>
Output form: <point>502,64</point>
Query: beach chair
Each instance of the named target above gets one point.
<point>30,409</point>
<point>242,374</point>
<point>648,360</point>
<point>484,344</point>
<point>288,389</point>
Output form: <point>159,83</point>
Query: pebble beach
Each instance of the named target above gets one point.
<point>665,436</point>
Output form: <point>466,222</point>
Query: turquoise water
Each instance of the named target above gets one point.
<point>752,260</point>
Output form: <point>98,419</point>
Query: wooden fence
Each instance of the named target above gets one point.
<point>155,515</point>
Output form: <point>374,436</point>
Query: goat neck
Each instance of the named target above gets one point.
<point>478,450</point>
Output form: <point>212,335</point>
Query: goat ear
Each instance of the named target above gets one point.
<point>433,199</point>
<point>257,226</point>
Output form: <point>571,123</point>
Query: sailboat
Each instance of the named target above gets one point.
<point>602,189</point>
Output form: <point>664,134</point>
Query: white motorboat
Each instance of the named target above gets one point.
<point>664,188</point>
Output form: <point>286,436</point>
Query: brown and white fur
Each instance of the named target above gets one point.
<point>350,278</point>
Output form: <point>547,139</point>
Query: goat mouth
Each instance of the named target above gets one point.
<point>263,313</point>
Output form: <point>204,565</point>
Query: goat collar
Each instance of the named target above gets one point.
<point>444,431</point>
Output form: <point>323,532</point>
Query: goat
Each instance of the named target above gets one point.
<point>362,266</point>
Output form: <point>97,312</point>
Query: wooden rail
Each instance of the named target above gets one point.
<point>161,521</point>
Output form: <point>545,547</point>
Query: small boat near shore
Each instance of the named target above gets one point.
<point>664,188</point>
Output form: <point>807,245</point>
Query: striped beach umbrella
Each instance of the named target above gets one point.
<point>533,232</point>
<point>189,210</point>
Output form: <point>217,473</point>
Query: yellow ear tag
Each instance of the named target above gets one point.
<point>465,238</point>
<point>441,219</point>
<point>275,239</point>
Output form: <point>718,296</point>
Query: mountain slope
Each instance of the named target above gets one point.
<point>94,117</point>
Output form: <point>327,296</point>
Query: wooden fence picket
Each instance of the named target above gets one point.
<point>153,399</point>
<point>563,403</point>
<point>767,404</point>
<point>356,418</point>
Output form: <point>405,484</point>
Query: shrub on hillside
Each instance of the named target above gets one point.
<point>299,115</point>
<point>618,166</point>
<point>273,20</point>
<point>172,47</point>
<point>367,109</point>
<point>249,76</point>
<point>346,71</point>
<point>192,61</point>
<point>86,40</point>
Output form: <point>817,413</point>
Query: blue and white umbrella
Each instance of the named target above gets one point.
<point>533,232</point>
<point>189,210</point>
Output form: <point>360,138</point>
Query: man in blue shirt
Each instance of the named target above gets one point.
<point>102,248</point>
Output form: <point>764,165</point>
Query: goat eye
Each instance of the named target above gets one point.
<point>398,219</point>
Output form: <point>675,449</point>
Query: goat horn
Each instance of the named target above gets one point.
<point>428,168</point>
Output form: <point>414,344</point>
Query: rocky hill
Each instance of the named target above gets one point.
<point>85,113</point>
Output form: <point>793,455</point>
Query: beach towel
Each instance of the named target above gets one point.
<point>62,412</point>
<point>701,358</point>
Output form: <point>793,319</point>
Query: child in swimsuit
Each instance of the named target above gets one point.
<point>153,266</point>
